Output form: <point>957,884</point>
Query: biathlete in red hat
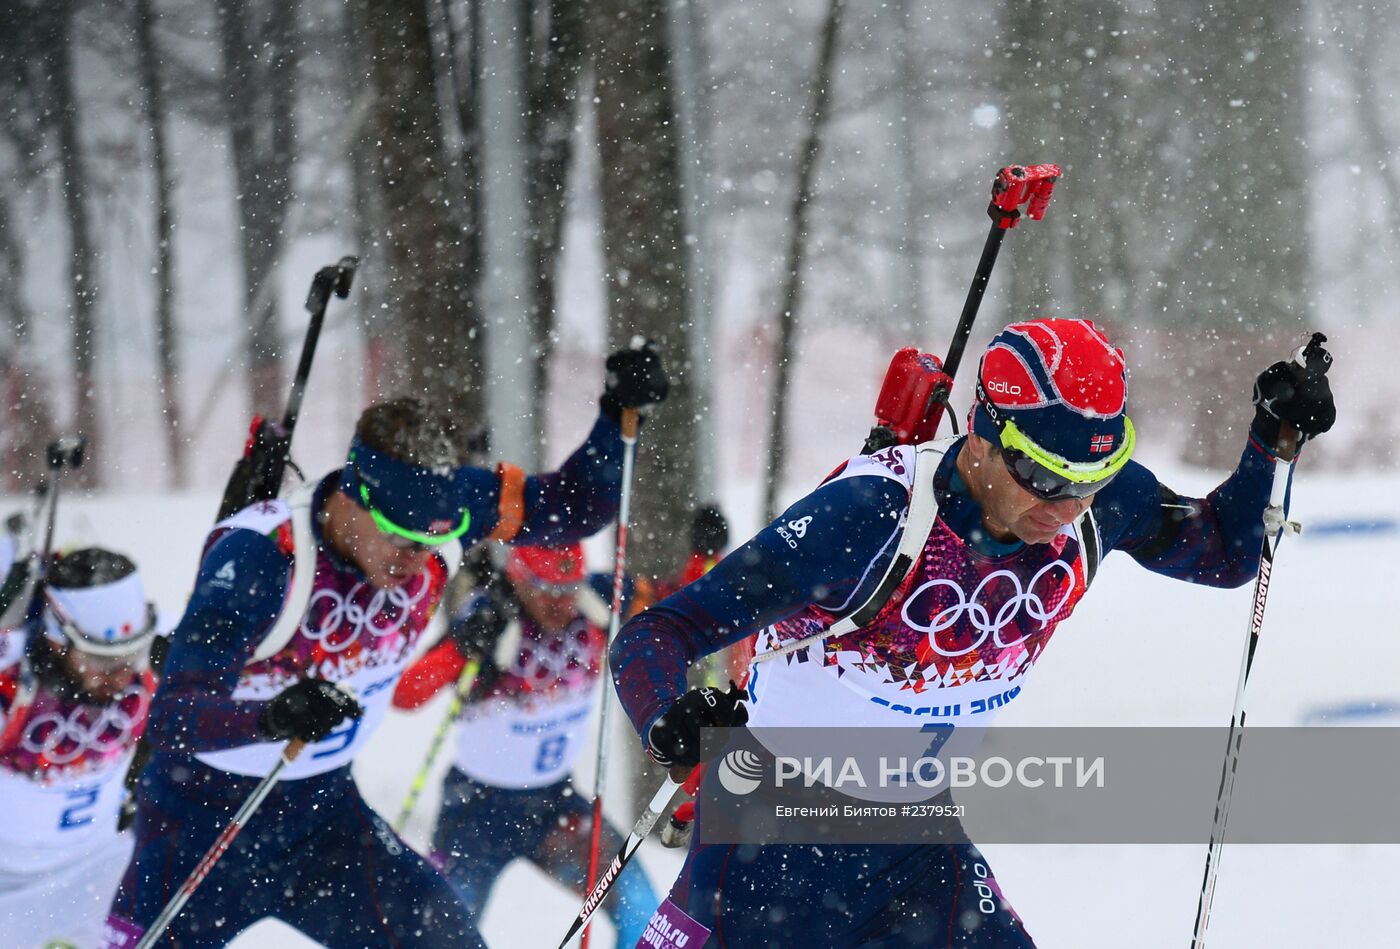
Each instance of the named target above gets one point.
<point>1015,517</point>
<point>538,634</point>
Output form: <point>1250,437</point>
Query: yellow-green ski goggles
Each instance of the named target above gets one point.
<point>1052,478</point>
<point>405,537</point>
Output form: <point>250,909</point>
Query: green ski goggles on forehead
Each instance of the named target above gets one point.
<point>407,534</point>
<point>1052,478</point>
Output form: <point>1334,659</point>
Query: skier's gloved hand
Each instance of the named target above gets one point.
<point>709,531</point>
<point>1300,396</point>
<point>674,739</point>
<point>477,631</point>
<point>309,710</point>
<point>636,379</point>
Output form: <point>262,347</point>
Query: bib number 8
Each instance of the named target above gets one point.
<point>551,753</point>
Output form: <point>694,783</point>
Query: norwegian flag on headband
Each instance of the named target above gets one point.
<point>1062,382</point>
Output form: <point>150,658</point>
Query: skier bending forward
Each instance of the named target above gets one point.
<point>1040,488</point>
<point>238,683</point>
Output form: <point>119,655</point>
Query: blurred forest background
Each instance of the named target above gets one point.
<point>532,182</point>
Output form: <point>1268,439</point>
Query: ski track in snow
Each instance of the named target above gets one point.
<point>1178,649</point>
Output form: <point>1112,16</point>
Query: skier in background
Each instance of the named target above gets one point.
<point>242,678</point>
<point>1026,504</point>
<point>538,634</point>
<point>75,687</point>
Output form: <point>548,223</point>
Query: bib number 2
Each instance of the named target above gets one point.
<point>78,812</point>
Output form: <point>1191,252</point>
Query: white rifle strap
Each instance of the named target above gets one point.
<point>1089,543</point>
<point>918,525</point>
<point>303,576</point>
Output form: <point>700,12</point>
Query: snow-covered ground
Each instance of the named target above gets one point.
<point>1140,650</point>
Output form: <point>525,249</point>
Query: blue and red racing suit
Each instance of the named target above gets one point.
<point>953,644</point>
<point>315,855</point>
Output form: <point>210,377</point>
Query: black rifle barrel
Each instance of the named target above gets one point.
<point>335,279</point>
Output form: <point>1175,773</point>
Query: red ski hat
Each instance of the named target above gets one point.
<point>1063,384</point>
<point>546,566</point>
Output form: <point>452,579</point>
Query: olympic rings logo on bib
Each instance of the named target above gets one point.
<point>63,739</point>
<point>552,660</point>
<point>344,618</point>
<point>976,608</point>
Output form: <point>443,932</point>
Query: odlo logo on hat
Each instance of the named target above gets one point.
<point>1062,382</point>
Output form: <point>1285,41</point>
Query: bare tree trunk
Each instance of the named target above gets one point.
<point>556,69</point>
<point>167,342</point>
<point>260,75</point>
<point>643,246</point>
<point>429,289</point>
<point>368,218</point>
<point>83,262</point>
<point>689,68</point>
<point>507,284</point>
<point>792,293</point>
<point>28,415</point>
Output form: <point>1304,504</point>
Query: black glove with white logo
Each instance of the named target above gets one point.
<point>1295,393</point>
<point>674,739</point>
<point>636,379</point>
<point>309,710</point>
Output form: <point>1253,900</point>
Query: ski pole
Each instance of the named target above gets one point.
<point>24,529</point>
<point>1014,185</point>
<point>507,647</point>
<point>221,844</point>
<point>1308,360</point>
<point>63,453</point>
<point>630,422</point>
<point>597,892</point>
<point>459,694</point>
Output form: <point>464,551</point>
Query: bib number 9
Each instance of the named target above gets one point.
<point>338,740</point>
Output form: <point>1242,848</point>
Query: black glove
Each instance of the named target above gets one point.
<point>674,738</point>
<point>1295,393</point>
<point>709,531</point>
<point>487,616</point>
<point>636,379</point>
<point>309,710</point>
